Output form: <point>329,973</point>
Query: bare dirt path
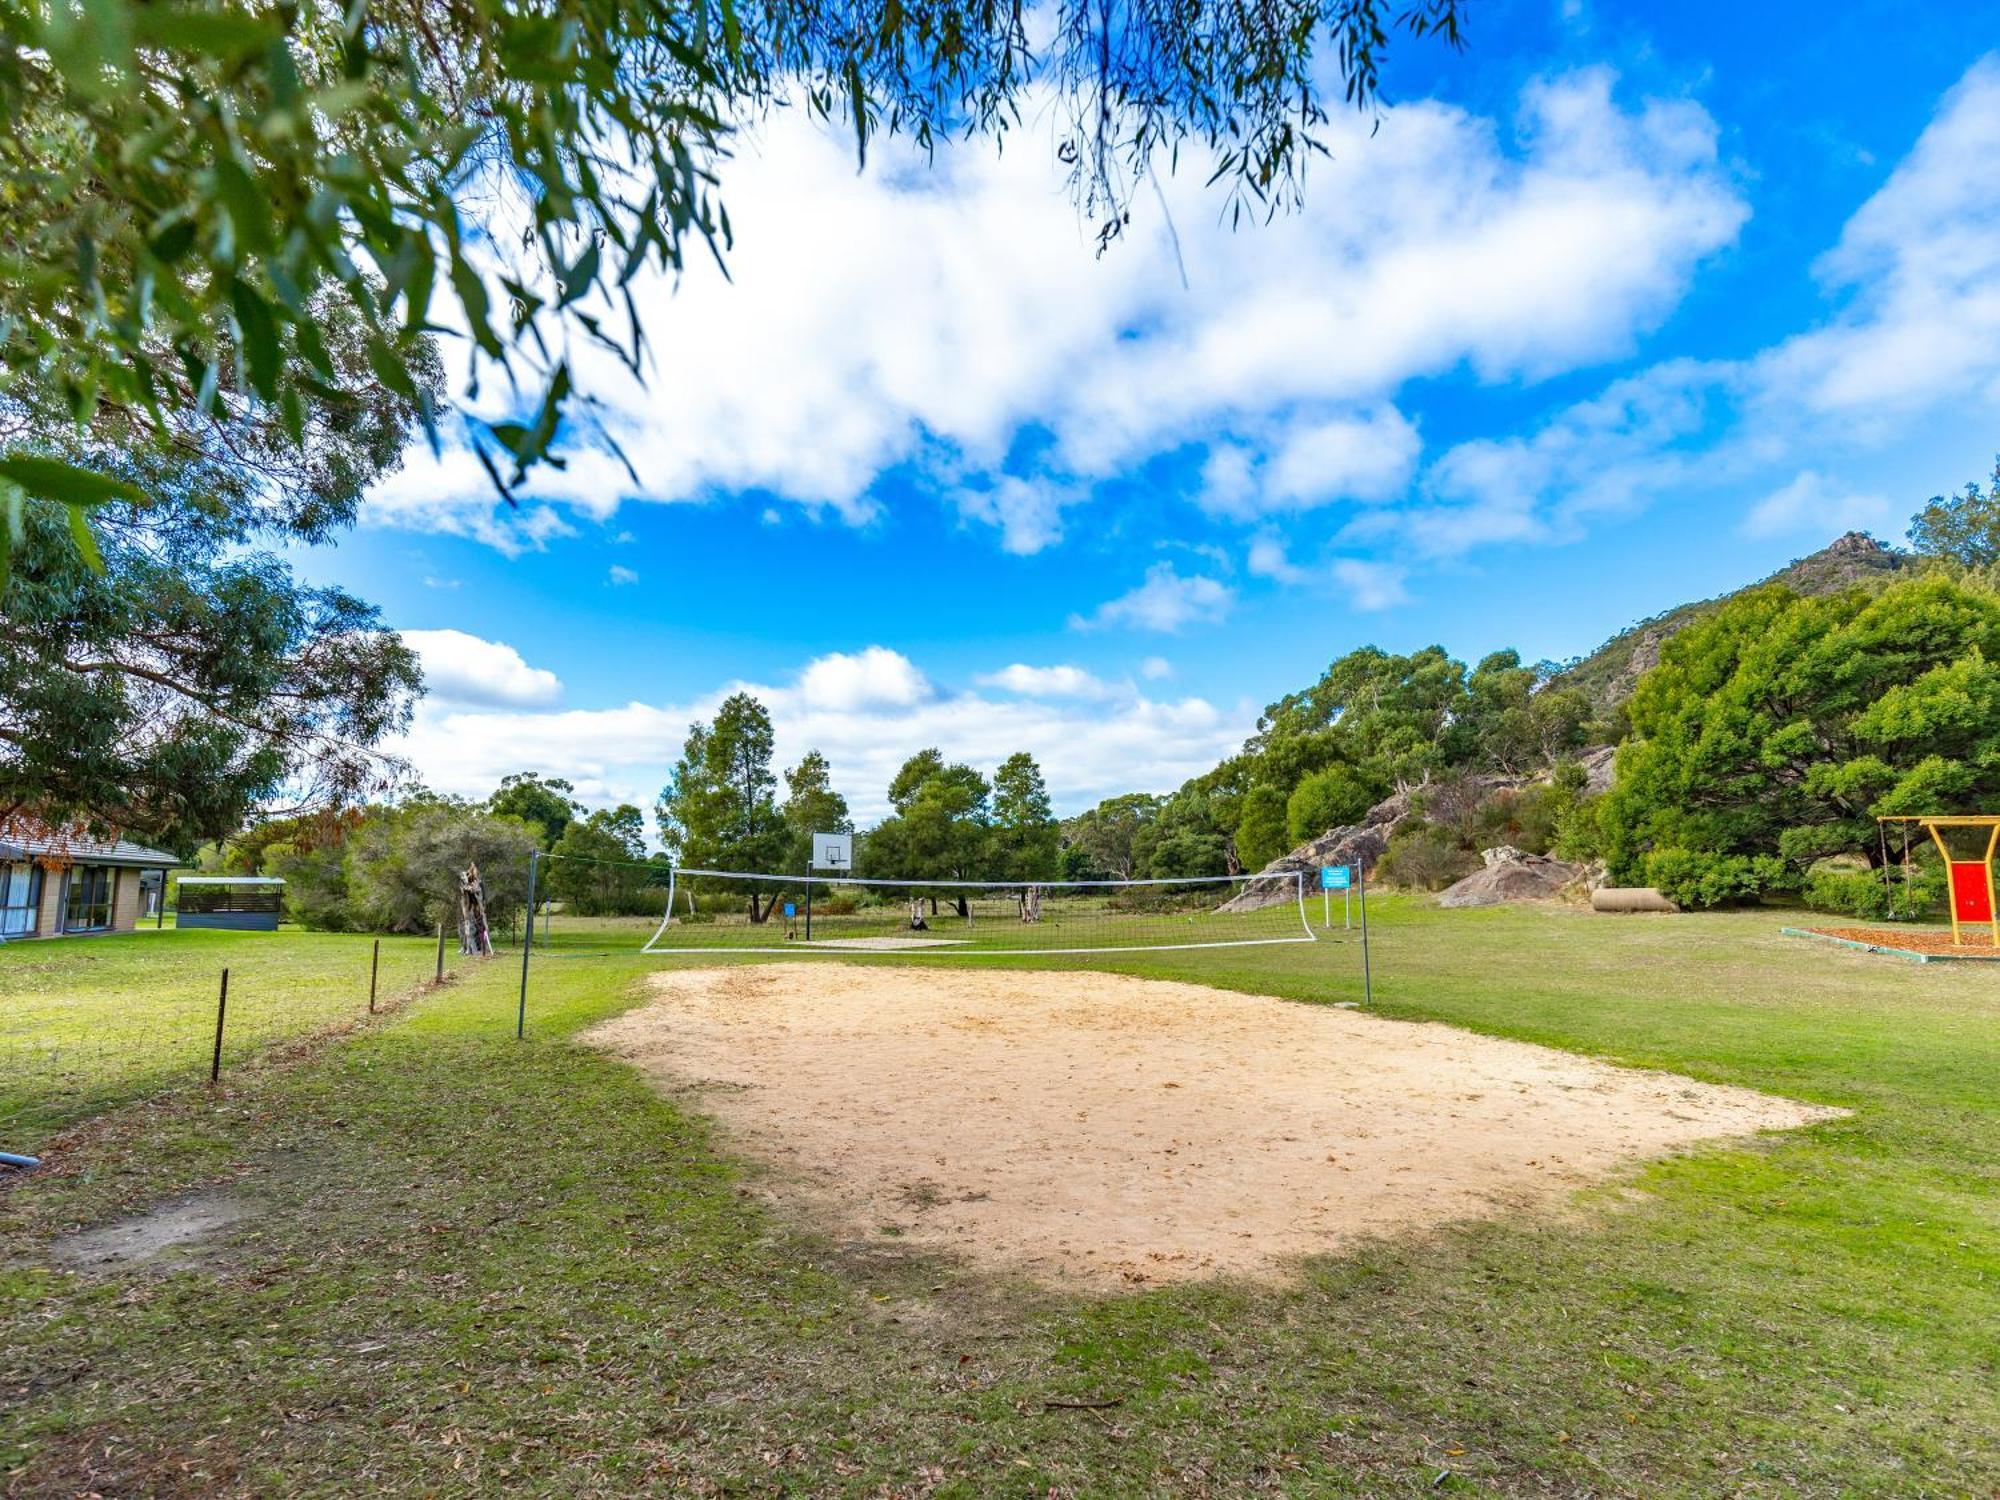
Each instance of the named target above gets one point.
<point>1098,1130</point>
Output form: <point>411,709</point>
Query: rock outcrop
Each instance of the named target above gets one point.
<point>1511,875</point>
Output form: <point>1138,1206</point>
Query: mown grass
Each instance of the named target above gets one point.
<point>481,1264</point>
<point>86,1023</point>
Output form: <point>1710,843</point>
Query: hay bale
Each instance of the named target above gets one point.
<point>1629,898</point>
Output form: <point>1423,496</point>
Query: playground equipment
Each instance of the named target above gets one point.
<point>1970,875</point>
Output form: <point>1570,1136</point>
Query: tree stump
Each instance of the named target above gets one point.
<point>473,936</point>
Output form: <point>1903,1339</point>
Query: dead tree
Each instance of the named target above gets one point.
<point>473,936</point>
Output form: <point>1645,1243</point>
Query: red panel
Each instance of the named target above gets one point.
<point>1970,898</point>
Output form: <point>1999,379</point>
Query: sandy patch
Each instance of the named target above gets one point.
<point>182,1234</point>
<point>1097,1130</point>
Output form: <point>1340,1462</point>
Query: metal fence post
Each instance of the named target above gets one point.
<point>1367,977</point>
<point>374,968</point>
<point>439,976</point>
<point>221,1009</point>
<point>528,944</point>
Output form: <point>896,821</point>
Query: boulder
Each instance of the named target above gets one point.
<point>1511,875</point>
<point>1599,767</point>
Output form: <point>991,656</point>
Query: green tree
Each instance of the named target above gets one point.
<point>1775,730</point>
<point>1108,838</point>
<point>307,157</point>
<point>1329,798</point>
<point>1261,834</point>
<point>811,806</point>
<point>1964,528</point>
<point>718,810</point>
<point>402,866</point>
<point>544,802</point>
<point>599,865</point>
<point>1513,720</point>
<point>1027,842</point>
<point>189,680</point>
<point>940,829</point>
<point>176,674</point>
<point>1402,718</point>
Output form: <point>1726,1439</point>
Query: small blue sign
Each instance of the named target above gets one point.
<point>791,908</point>
<point>1335,877</point>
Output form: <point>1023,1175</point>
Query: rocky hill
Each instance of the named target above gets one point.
<point>1609,673</point>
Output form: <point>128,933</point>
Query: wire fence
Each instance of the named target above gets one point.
<point>90,1023</point>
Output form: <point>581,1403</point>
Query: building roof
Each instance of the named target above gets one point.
<point>83,851</point>
<point>229,880</point>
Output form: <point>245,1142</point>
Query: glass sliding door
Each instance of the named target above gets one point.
<point>20,899</point>
<point>88,908</point>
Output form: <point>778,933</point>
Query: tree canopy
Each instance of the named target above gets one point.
<point>1963,528</point>
<point>1780,726</point>
<point>196,195</point>
<point>719,809</point>
<point>541,801</point>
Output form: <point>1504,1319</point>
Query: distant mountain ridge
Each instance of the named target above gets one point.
<point>1610,672</point>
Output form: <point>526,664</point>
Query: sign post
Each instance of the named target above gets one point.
<point>1336,878</point>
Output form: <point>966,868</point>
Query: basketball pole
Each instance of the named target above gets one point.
<point>809,897</point>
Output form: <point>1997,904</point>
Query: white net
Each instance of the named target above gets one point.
<point>708,911</point>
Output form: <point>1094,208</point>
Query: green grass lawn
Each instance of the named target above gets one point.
<point>479,1264</point>
<point>89,1022</point>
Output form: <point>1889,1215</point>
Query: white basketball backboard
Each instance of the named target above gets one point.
<point>833,851</point>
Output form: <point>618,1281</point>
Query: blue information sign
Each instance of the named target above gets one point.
<point>1335,877</point>
<point>791,909</point>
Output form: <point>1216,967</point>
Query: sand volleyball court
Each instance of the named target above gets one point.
<point>1095,1130</point>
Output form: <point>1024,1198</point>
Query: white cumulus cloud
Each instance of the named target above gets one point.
<point>1046,682</point>
<point>467,669</point>
<point>929,317</point>
<point>1167,601</point>
<point>876,677</point>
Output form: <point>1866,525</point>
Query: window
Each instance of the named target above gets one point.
<point>89,906</point>
<point>20,899</point>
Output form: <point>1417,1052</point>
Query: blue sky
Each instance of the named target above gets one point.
<point>1623,306</point>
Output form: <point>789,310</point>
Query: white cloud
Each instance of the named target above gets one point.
<point>1028,512</point>
<point>1922,260</point>
<point>1359,582</point>
<point>620,574</point>
<point>1156,668</point>
<point>1812,505</point>
<point>1268,559</point>
<point>1166,601</point>
<point>1089,747</point>
<point>934,315</point>
<point>874,678</point>
<point>1046,682</point>
<point>1370,585</point>
<point>1916,339</point>
<point>466,669</point>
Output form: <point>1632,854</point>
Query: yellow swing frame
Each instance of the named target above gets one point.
<point>1934,824</point>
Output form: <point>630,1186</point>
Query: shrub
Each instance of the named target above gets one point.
<point>1329,798</point>
<point>1260,834</point>
<point>1861,893</point>
<point>1697,879</point>
<point>1426,857</point>
<point>1579,839</point>
<point>1527,818</point>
